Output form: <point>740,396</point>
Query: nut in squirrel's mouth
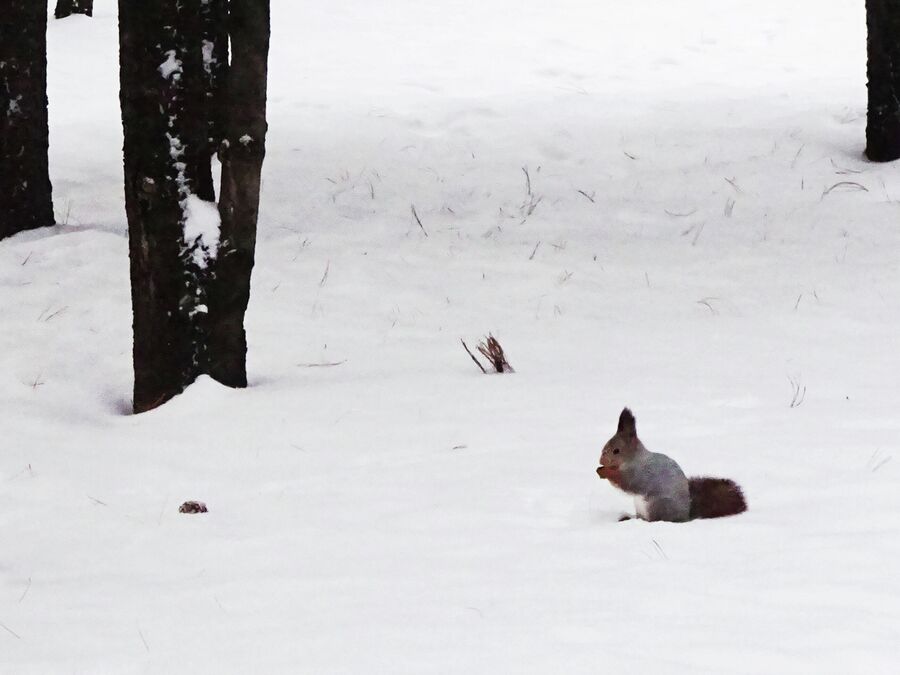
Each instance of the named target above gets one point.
<point>606,470</point>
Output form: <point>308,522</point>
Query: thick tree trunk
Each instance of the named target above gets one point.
<point>66,8</point>
<point>191,262</point>
<point>242,154</point>
<point>165,133</point>
<point>25,191</point>
<point>883,124</point>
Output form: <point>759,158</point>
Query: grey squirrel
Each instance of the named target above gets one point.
<point>660,488</point>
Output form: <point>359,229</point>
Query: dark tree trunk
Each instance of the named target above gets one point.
<point>165,132</point>
<point>883,123</point>
<point>242,153</point>
<point>25,192</point>
<point>66,8</point>
<point>180,100</point>
<point>214,28</point>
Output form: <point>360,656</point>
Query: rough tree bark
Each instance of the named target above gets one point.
<point>25,191</point>
<point>242,153</point>
<point>214,29</point>
<point>66,8</point>
<point>883,122</point>
<point>191,281</point>
<point>162,103</point>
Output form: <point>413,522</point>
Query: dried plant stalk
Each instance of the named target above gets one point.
<point>491,350</point>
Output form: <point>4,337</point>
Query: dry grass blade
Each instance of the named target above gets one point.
<point>326,364</point>
<point>680,215</point>
<point>845,185</point>
<point>799,392</point>
<point>418,220</point>
<point>469,352</point>
<point>10,631</point>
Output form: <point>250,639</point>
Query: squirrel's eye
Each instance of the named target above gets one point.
<point>616,451</point>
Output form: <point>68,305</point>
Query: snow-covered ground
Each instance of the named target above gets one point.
<point>700,232</point>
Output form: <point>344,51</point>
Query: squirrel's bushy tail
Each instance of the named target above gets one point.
<point>715,497</point>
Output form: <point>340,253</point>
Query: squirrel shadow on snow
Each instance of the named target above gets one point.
<point>661,490</point>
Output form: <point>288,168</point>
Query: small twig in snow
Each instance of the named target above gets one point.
<point>146,646</point>
<point>841,171</point>
<point>10,631</point>
<point>680,215</point>
<point>660,549</point>
<point>536,246</point>
<point>477,362</point>
<point>846,185</point>
<point>25,592</point>
<point>875,463</point>
<point>881,464</point>
<point>418,220</point>
<point>47,318</point>
<point>799,392</point>
<point>325,275</point>
<point>733,183</point>
<point>531,206</point>
<point>729,207</point>
<point>527,180</point>
<point>330,364</point>
<point>697,234</point>
<point>707,302</point>
<point>589,197</point>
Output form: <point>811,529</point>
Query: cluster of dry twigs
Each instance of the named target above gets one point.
<point>490,349</point>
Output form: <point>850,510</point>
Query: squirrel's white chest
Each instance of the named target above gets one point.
<point>641,507</point>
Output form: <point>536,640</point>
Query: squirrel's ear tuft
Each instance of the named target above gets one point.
<point>627,423</point>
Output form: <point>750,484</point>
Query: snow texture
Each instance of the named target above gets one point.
<point>697,230</point>
<point>171,67</point>
<point>208,59</point>
<point>201,229</point>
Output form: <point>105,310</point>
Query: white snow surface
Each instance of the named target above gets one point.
<point>701,229</point>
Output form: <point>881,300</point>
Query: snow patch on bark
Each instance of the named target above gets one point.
<point>14,108</point>
<point>208,59</point>
<point>202,227</point>
<point>171,67</point>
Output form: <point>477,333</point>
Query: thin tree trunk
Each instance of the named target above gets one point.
<point>25,191</point>
<point>214,28</point>
<point>242,154</point>
<point>66,8</point>
<point>162,102</point>
<point>883,122</point>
